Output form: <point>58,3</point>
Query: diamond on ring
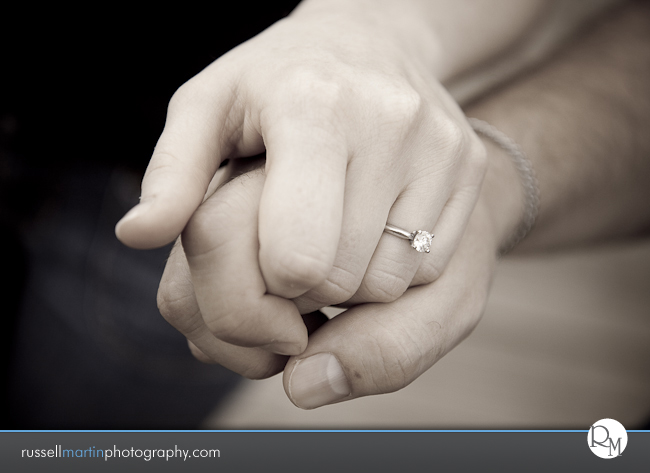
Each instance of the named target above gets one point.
<point>420,240</point>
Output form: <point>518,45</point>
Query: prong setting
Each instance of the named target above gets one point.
<point>421,241</point>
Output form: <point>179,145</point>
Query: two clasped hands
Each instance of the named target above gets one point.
<point>345,100</point>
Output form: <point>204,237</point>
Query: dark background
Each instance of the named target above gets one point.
<point>83,97</point>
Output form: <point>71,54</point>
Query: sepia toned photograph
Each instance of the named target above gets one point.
<point>326,214</point>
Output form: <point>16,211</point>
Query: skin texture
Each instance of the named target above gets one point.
<point>555,113</point>
<point>586,137</point>
<point>357,131</point>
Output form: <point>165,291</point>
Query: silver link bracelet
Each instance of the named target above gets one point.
<point>526,173</point>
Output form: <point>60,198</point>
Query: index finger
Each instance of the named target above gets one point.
<point>221,246</point>
<point>202,129</point>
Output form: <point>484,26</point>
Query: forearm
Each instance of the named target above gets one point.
<point>583,120</point>
<point>448,36</point>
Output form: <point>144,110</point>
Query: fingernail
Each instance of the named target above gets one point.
<point>316,381</point>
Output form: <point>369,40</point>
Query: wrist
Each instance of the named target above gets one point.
<point>502,195</point>
<point>391,27</point>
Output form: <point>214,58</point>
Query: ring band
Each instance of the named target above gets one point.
<point>420,240</point>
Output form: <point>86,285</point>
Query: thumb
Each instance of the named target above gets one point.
<point>379,348</point>
<point>202,130</point>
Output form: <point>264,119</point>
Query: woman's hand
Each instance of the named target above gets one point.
<point>371,348</point>
<point>357,133</point>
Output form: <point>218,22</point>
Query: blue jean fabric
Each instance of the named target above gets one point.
<point>91,349</point>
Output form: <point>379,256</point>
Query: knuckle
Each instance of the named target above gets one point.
<point>314,89</point>
<point>401,103</point>
<point>396,110</point>
<point>451,136</point>
<point>176,302</point>
<point>385,286</point>
<point>303,268</point>
<point>316,100</point>
<point>339,287</point>
<point>448,134</point>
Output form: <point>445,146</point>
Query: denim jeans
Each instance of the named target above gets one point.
<point>91,349</point>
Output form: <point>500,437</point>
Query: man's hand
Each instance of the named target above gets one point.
<point>374,348</point>
<point>357,133</point>
<point>369,139</point>
<point>369,349</point>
